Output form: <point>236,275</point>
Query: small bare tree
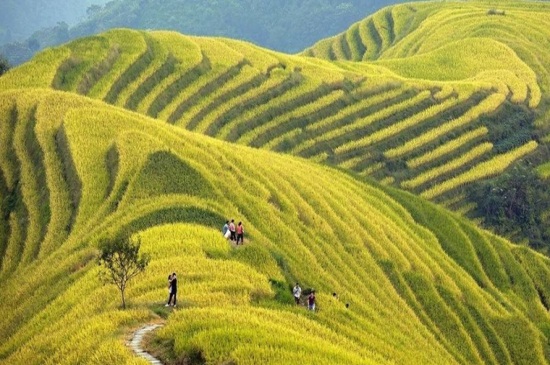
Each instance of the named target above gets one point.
<point>121,261</point>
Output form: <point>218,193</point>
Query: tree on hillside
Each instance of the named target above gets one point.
<point>4,65</point>
<point>121,262</point>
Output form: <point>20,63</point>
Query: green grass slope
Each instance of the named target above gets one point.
<point>424,285</point>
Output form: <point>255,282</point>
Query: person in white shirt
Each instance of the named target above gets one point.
<point>297,292</point>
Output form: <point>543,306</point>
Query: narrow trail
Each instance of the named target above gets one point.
<point>135,343</point>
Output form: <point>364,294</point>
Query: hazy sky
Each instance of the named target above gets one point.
<point>21,18</point>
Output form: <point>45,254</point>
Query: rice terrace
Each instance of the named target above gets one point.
<point>398,170</point>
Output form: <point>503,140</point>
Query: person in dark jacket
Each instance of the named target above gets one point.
<point>311,301</point>
<point>173,291</point>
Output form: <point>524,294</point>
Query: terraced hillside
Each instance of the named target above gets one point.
<point>461,41</point>
<point>424,285</point>
<point>473,41</point>
<point>406,122</point>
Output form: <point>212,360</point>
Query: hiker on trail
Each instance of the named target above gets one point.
<point>232,230</point>
<point>173,290</point>
<point>311,301</point>
<point>225,229</point>
<point>297,292</point>
<point>240,233</point>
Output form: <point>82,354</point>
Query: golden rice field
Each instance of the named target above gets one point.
<point>113,133</point>
<point>402,84</point>
<point>424,285</point>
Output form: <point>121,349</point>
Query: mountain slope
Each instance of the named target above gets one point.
<point>461,40</point>
<point>402,38</point>
<point>424,285</point>
<point>440,122</point>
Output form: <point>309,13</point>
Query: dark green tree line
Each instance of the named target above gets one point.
<point>515,205</point>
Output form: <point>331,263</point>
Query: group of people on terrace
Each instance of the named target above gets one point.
<point>297,293</point>
<point>310,299</point>
<point>236,234</point>
<point>232,232</point>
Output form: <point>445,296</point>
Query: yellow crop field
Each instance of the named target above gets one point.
<point>444,149</point>
<point>74,72</point>
<point>372,118</point>
<point>171,136</point>
<point>217,119</point>
<point>132,46</point>
<point>149,69</point>
<point>544,170</point>
<point>354,108</point>
<point>279,79</point>
<point>410,279</point>
<point>7,108</point>
<point>492,167</point>
<point>400,126</point>
<point>384,113</point>
<point>463,60</point>
<point>187,54</point>
<point>246,75</point>
<point>274,142</point>
<point>489,104</point>
<point>212,49</point>
<point>37,73</point>
<point>375,90</point>
<point>297,113</point>
<point>475,152</point>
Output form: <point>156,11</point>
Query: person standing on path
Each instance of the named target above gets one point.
<point>240,233</point>
<point>311,301</point>
<point>225,229</point>
<point>232,230</point>
<point>173,290</point>
<point>297,292</point>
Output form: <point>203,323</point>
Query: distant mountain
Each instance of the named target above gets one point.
<point>284,25</point>
<point>19,19</point>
